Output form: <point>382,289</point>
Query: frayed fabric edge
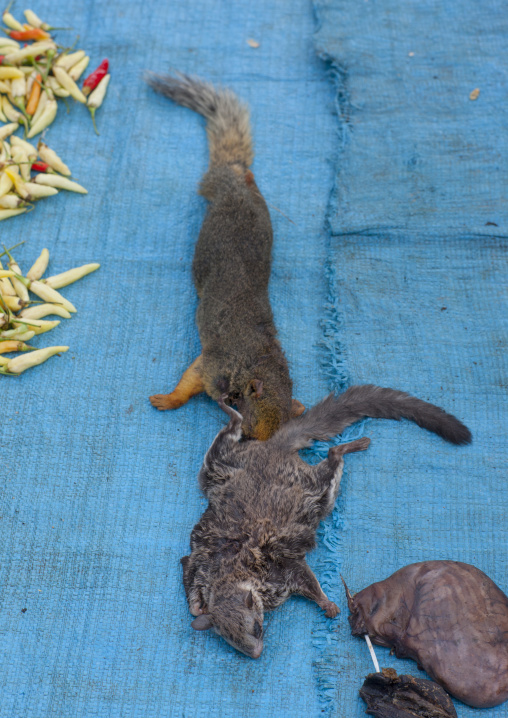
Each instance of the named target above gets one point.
<point>327,565</point>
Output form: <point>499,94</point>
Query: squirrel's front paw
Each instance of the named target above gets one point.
<point>331,609</point>
<point>164,401</point>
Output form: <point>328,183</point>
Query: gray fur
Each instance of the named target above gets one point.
<point>228,125</point>
<point>333,414</point>
<point>265,503</point>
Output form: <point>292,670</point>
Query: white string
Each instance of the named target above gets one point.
<point>372,653</point>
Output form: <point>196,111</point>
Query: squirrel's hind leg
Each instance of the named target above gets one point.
<point>351,447</point>
<point>305,583</point>
<point>328,473</point>
<point>189,385</point>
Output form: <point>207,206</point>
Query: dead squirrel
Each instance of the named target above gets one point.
<point>265,504</point>
<point>241,355</point>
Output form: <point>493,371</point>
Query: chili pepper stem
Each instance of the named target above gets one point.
<point>92,112</point>
<point>21,108</point>
<point>6,251</point>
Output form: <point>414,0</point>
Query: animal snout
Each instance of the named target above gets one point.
<point>257,650</point>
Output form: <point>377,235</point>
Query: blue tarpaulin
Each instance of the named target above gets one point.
<point>387,188</point>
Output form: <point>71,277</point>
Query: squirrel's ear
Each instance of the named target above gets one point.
<point>297,408</point>
<point>249,600</point>
<point>255,388</point>
<point>202,623</point>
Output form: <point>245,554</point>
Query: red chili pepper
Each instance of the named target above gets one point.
<point>35,33</point>
<point>40,167</point>
<point>2,57</point>
<point>93,80</point>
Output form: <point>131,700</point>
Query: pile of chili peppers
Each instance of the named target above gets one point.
<point>35,70</point>
<point>29,173</point>
<point>21,319</point>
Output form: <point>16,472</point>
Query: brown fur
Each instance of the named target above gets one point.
<point>241,355</point>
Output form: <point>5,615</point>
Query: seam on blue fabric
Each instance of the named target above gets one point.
<point>327,661</point>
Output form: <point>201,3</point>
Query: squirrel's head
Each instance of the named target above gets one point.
<point>265,408</point>
<point>235,612</point>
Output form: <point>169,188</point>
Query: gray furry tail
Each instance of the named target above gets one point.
<point>227,119</point>
<point>332,415</point>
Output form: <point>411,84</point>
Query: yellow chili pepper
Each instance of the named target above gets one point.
<point>57,281</point>
<point>45,119</point>
<point>11,21</point>
<point>39,266</point>
<point>20,288</point>
<point>68,84</point>
<point>11,201</point>
<point>37,48</point>
<point>10,73</point>
<point>40,326</point>
<point>66,61</point>
<point>39,311</point>
<point>15,346</point>
<point>50,295</point>
<point>51,180</point>
<point>5,183</point>
<point>13,303</point>
<point>20,364</point>
<point>78,69</point>
<point>8,213</point>
<point>13,174</point>
<point>38,191</point>
<point>52,159</point>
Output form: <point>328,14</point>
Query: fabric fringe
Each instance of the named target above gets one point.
<point>327,565</point>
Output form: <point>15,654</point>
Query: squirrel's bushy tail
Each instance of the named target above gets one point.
<point>227,119</point>
<point>332,415</point>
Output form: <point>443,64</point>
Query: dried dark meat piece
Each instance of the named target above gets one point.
<point>449,617</point>
<point>388,695</point>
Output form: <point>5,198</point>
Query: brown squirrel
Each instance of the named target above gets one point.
<point>240,356</point>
